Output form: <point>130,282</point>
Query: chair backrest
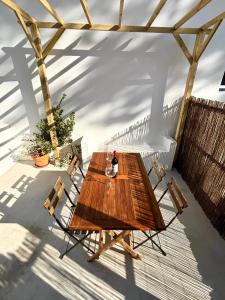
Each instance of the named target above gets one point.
<point>74,164</point>
<point>158,169</point>
<point>55,195</point>
<point>179,200</point>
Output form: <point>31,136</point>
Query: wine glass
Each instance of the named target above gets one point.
<point>109,173</point>
<point>109,156</point>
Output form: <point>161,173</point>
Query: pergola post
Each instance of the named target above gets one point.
<point>45,89</point>
<point>188,89</point>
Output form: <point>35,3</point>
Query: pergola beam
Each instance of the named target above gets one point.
<point>213,21</point>
<point>156,12</point>
<point>86,11</point>
<point>24,27</point>
<point>183,47</point>
<point>52,42</point>
<point>52,11</point>
<point>19,10</point>
<point>191,13</point>
<point>123,28</point>
<point>121,12</point>
<point>208,39</point>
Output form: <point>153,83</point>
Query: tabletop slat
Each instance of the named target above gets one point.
<point>129,204</point>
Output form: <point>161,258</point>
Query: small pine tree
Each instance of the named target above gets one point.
<point>64,126</point>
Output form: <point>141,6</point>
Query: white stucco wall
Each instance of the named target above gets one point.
<point>112,80</point>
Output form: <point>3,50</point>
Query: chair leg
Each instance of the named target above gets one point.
<point>155,186</point>
<point>77,243</point>
<point>151,238</point>
<point>163,194</point>
<point>76,187</point>
<point>68,196</point>
<point>149,172</point>
<point>81,172</point>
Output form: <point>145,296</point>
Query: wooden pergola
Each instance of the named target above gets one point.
<point>31,26</point>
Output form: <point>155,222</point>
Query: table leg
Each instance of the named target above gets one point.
<point>125,245</point>
<point>100,244</point>
<point>116,239</point>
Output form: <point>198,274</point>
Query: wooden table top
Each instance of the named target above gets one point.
<point>128,204</point>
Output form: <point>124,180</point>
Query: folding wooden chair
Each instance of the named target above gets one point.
<point>71,170</point>
<point>159,171</point>
<point>179,201</point>
<point>51,204</point>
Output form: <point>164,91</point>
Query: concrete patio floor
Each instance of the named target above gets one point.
<point>30,244</point>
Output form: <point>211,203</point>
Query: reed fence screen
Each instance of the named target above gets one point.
<point>201,158</point>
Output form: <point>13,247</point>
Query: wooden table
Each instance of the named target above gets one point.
<point>129,204</point>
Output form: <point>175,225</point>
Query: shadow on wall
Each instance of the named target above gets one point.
<point>141,131</point>
<point>99,78</point>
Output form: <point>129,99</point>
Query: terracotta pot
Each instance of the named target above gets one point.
<point>41,161</point>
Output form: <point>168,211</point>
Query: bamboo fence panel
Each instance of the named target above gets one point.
<point>201,158</point>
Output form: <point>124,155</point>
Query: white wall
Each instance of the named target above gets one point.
<point>112,80</point>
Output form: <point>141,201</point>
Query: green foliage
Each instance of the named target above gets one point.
<point>40,144</point>
<point>38,147</point>
<point>64,127</point>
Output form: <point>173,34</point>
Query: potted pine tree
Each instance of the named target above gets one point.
<point>40,145</point>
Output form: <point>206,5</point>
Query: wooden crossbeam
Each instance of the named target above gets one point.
<point>213,21</point>
<point>24,27</point>
<point>197,48</point>
<point>52,42</point>
<point>19,10</point>
<point>191,13</point>
<point>125,245</point>
<point>117,238</point>
<point>121,12</point>
<point>52,11</point>
<point>183,47</point>
<point>86,11</point>
<point>208,39</point>
<point>156,12</point>
<point>113,27</point>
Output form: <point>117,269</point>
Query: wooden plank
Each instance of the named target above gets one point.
<point>158,169</point>
<point>121,12</point>
<point>179,193</point>
<point>115,27</point>
<point>188,90</point>
<point>174,198</point>
<point>57,198</point>
<point>48,201</point>
<point>191,13</point>
<point>52,11</point>
<point>156,12</point>
<point>73,166</point>
<point>128,205</point>
<point>25,29</point>
<point>208,39</point>
<point>52,42</point>
<point>45,90</point>
<point>86,11</point>
<point>19,10</point>
<point>183,47</point>
<point>213,21</point>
